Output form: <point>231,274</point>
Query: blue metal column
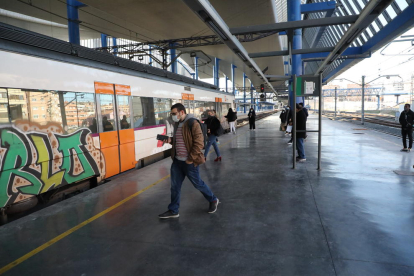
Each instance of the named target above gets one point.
<point>233,75</point>
<point>173,56</point>
<point>227,88</point>
<point>294,14</point>
<point>104,42</point>
<point>73,20</point>
<point>251,96</point>
<point>114,44</point>
<point>196,67</point>
<point>150,58</point>
<point>244,91</point>
<point>216,72</point>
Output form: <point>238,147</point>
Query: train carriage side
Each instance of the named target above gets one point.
<point>62,123</point>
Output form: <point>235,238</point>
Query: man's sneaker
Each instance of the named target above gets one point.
<point>404,149</point>
<point>290,143</point>
<point>213,206</point>
<point>301,160</point>
<point>168,214</point>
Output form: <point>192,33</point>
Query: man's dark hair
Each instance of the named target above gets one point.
<point>298,106</point>
<point>180,107</point>
<point>301,104</point>
<point>408,105</point>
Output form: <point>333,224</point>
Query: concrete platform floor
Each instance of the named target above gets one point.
<point>355,217</point>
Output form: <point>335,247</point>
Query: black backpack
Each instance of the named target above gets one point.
<point>220,130</point>
<point>203,129</point>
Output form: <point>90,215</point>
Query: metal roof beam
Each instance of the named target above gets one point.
<point>205,11</point>
<point>292,25</point>
<point>294,52</point>
<point>398,26</point>
<point>367,16</point>
<point>317,7</point>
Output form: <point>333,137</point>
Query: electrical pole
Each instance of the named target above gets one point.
<point>363,100</point>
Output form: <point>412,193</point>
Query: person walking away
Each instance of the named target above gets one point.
<point>187,143</point>
<point>406,121</point>
<point>252,119</point>
<point>231,118</point>
<point>213,125</point>
<point>300,136</point>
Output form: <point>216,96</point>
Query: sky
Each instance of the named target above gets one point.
<point>396,58</point>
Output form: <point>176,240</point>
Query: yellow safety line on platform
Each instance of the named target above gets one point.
<point>77,227</point>
<point>86,222</point>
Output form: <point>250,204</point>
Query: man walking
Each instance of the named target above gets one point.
<point>406,121</point>
<point>188,141</point>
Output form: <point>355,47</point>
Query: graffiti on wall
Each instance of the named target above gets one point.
<point>35,159</point>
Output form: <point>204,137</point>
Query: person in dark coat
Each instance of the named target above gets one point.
<point>304,110</point>
<point>231,118</point>
<point>406,121</point>
<point>283,117</point>
<point>252,119</point>
<point>213,125</point>
<point>300,136</point>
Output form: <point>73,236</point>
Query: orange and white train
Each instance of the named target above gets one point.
<point>63,123</point>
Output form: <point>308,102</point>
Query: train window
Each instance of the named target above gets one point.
<point>79,111</point>
<point>144,114</point>
<point>107,112</point>
<point>162,109</point>
<point>199,109</point>
<point>4,109</point>
<point>49,100</point>
<point>17,104</point>
<point>124,112</point>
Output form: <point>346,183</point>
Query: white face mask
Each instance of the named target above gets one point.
<point>175,118</point>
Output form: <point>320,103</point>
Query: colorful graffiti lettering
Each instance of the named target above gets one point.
<point>35,159</point>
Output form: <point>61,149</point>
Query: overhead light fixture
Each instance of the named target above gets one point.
<point>204,15</point>
<point>241,56</point>
<point>193,54</point>
<point>217,30</point>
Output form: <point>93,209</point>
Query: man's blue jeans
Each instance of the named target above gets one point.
<point>212,141</point>
<point>300,148</point>
<point>179,170</point>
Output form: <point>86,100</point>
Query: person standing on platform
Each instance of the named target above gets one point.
<point>187,143</point>
<point>213,125</point>
<point>231,118</point>
<point>300,133</point>
<point>406,121</point>
<point>304,110</point>
<point>252,119</point>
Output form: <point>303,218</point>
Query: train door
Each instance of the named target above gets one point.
<point>116,134</point>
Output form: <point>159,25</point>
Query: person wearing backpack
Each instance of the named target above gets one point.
<point>187,143</point>
<point>213,130</point>
<point>231,118</point>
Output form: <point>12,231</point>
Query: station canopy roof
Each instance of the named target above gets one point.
<point>148,21</point>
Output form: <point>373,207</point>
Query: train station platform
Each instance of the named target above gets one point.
<point>355,217</point>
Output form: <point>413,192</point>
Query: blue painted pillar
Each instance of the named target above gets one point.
<point>196,67</point>
<point>227,88</point>
<point>173,56</point>
<point>216,72</point>
<point>114,44</point>
<point>104,42</point>
<point>379,102</point>
<point>294,14</point>
<point>233,76</point>
<point>251,96</point>
<point>73,20</point>
<point>244,91</point>
<point>150,58</point>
